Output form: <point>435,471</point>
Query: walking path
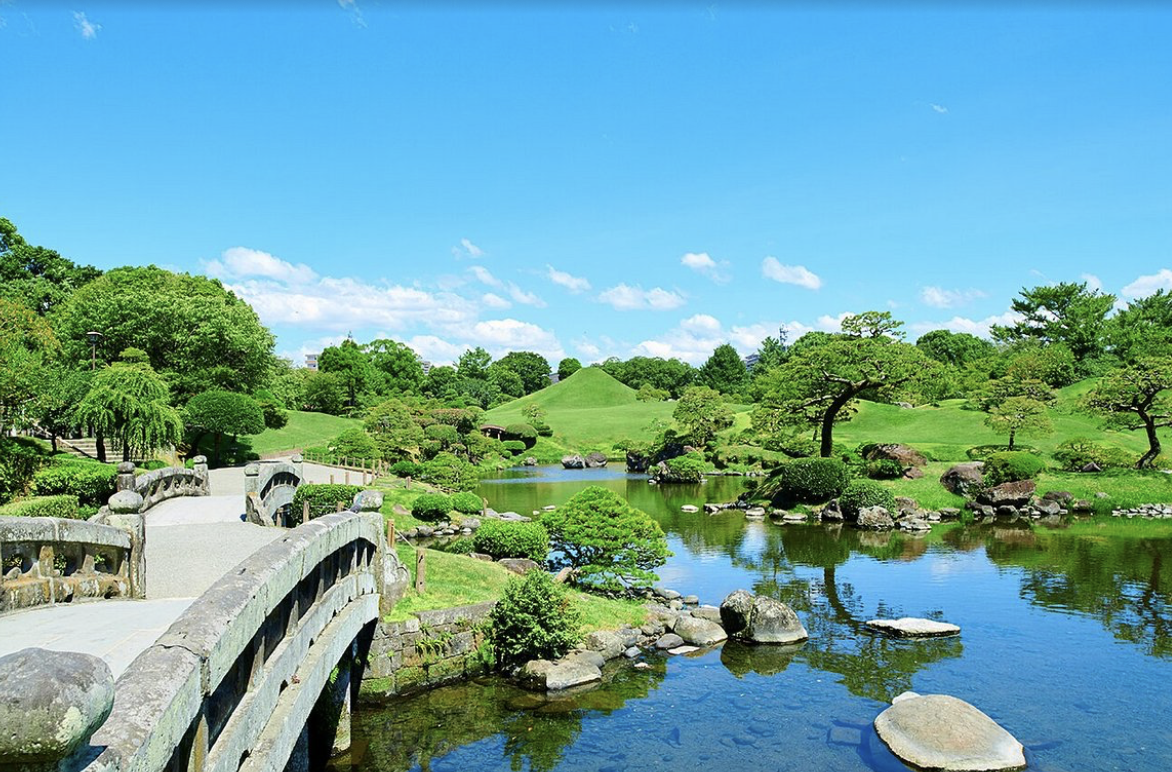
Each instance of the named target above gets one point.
<point>190,543</point>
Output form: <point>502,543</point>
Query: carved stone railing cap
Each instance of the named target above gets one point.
<point>126,467</point>
<point>252,469</point>
<point>199,460</point>
<point>125,502</point>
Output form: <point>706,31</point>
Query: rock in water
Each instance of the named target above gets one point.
<point>698,632</point>
<point>937,731</point>
<point>774,622</point>
<point>911,627</point>
<point>735,611</point>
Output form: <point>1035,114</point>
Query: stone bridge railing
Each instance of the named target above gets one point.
<point>158,485</point>
<point>48,560</point>
<point>230,686</point>
<point>268,489</point>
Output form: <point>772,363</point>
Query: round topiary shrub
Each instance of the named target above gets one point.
<point>467,503</point>
<point>405,469</point>
<point>1012,466</point>
<point>688,468</point>
<point>534,619</point>
<point>451,472</point>
<point>431,507</point>
<point>884,469</point>
<point>442,433</point>
<point>523,432</point>
<point>806,480</point>
<point>861,494</point>
<point>516,447</point>
<point>512,540</point>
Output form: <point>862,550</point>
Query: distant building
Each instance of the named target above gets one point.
<point>751,361</point>
<point>311,361</point>
<point>426,365</point>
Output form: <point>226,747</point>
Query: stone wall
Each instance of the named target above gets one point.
<point>429,649</point>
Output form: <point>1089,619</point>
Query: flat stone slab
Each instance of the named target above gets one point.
<point>941,732</point>
<point>683,650</point>
<point>912,627</point>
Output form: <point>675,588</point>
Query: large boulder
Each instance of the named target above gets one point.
<point>606,643</point>
<point>937,731</point>
<point>965,479</point>
<point>735,611</point>
<point>573,462</point>
<point>875,519</point>
<point>698,632</point>
<point>773,622</point>
<point>520,566</point>
<point>595,460</point>
<point>905,455</point>
<point>1010,494</point>
<point>541,674</point>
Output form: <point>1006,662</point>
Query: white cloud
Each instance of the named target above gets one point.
<point>938,297</point>
<point>701,323</point>
<point>939,108</point>
<point>627,298</point>
<point>695,338</point>
<point>1094,283</point>
<point>702,263</point>
<point>88,29</point>
<point>525,298</point>
<point>495,301</point>
<point>978,327</point>
<point>572,283</point>
<point>1148,285</point>
<point>436,350</point>
<point>484,276</point>
<point>500,336</point>
<point>467,249</point>
<point>242,263</point>
<point>771,268</point>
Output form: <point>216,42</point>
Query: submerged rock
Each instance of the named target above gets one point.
<point>912,627</point>
<point>940,732</point>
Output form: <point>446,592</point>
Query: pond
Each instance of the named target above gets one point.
<point>1066,641</point>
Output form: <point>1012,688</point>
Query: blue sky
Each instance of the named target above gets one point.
<point>596,179</point>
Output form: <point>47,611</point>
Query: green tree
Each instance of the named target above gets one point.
<point>702,412</point>
<point>671,375</point>
<point>440,382</point>
<point>474,363</point>
<point>954,348</point>
<point>401,370</point>
<point>532,367</point>
<point>28,348</point>
<point>505,380</point>
<point>1062,313</point>
<point>323,393</point>
<point>568,367</point>
<point>724,370</point>
<point>352,367</point>
<point>197,335</point>
<point>608,543</point>
<point>819,382</point>
<point>1019,415</point>
<point>130,403</point>
<point>534,619</point>
<point>1143,329</point>
<point>221,412</point>
<point>396,433</point>
<point>36,277</point>
<point>1134,397</point>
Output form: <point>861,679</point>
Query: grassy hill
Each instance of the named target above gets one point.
<point>302,431</point>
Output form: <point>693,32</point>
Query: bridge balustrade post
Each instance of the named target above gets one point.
<point>125,479</point>
<point>298,467</point>
<point>53,703</point>
<point>200,467</point>
<point>125,513</point>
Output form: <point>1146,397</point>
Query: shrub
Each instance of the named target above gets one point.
<point>323,499</point>
<point>1012,466</point>
<point>512,540</point>
<point>544,430</point>
<point>443,434</point>
<point>688,468</point>
<point>43,506</point>
<point>406,469</point>
<point>431,507</point>
<point>20,457</point>
<point>865,493</point>
<point>516,447</point>
<point>449,471</point>
<point>983,452</point>
<point>794,447</point>
<point>806,480</point>
<point>467,503</point>
<point>884,469</point>
<point>534,618</point>
<point>1077,452</point>
<point>610,543</point>
<point>355,444</point>
<point>523,432</point>
<point>459,547</point>
<point>90,482</point>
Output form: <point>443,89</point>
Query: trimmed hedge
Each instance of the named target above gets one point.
<point>431,506</point>
<point>1012,466</point>
<point>323,499</point>
<point>884,469</point>
<point>90,482</point>
<point>43,506</point>
<point>688,468</point>
<point>523,432</point>
<point>467,503</point>
<point>512,540</point>
<point>516,447</point>
<point>865,493</point>
<point>405,469</point>
<point>807,480</point>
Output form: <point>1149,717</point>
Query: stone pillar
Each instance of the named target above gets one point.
<point>53,703</point>
<point>298,463</point>
<point>125,479</point>
<point>200,467</point>
<point>125,513</point>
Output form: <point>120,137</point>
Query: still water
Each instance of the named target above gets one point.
<point>1066,642</point>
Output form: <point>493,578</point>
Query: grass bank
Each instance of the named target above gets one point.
<point>302,431</point>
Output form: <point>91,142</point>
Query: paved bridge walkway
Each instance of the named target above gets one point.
<point>190,543</point>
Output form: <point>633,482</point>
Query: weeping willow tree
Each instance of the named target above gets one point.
<point>129,401</point>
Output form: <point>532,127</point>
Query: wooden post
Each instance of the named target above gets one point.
<point>331,478</point>
<point>339,509</point>
<point>305,511</point>
<point>420,571</point>
<point>391,534</point>
<point>408,482</point>
<point>347,476</point>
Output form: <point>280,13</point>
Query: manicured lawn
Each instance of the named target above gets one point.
<point>303,430</point>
